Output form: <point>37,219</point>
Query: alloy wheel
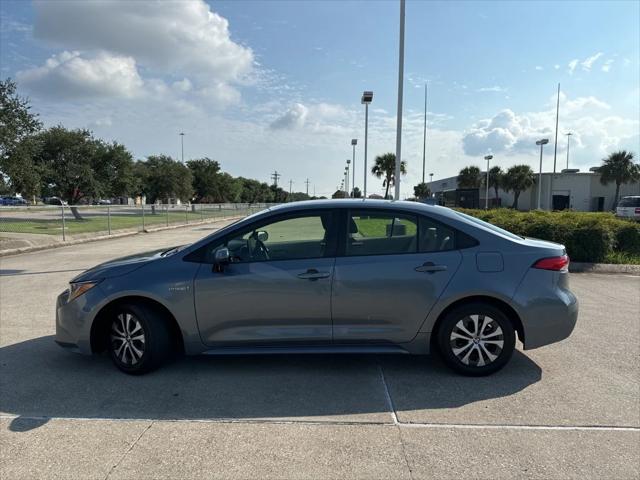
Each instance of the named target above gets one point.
<point>127,339</point>
<point>477,340</point>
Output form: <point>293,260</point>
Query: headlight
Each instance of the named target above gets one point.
<point>77,289</point>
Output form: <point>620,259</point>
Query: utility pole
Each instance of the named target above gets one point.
<point>290,184</point>
<point>275,176</point>
<point>400,92</point>
<point>307,183</point>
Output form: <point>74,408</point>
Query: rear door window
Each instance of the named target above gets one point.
<point>381,233</point>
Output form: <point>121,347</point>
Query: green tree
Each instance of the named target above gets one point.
<point>385,166</point>
<point>77,167</point>
<point>618,167</point>
<point>164,179</point>
<point>421,190</point>
<point>206,179</point>
<point>469,177</point>
<point>17,126</point>
<point>496,176</point>
<point>517,179</point>
<point>357,193</point>
<point>338,194</point>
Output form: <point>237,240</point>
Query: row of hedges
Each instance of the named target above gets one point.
<point>589,237</point>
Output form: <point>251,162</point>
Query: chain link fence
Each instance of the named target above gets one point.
<point>84,221</point>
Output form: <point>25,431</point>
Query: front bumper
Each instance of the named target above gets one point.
<point>74,320</point>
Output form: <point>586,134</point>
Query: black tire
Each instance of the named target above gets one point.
<point>132,354</point>
<point>476,357</point>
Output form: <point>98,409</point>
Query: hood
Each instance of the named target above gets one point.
<point>119,266</point>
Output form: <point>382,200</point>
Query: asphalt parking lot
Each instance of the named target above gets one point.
<point>569,410</point>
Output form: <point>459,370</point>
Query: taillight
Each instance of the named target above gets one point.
<point>637,210</point>
<point>557,264</point>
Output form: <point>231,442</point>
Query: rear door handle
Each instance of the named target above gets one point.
<point>313,274</point>
<point>430,267</point>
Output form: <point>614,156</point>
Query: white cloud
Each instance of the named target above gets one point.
<point>588,62</point>
<point>606,67</point>
<point>556,66</point>
<point>495,88</point>
<point>514,134</point>
<point>183,35</point>
<point>294,117</point>
<point>572,65</point>
<point>538,67</point>
<point>163,39</point>
<point>70,74</point>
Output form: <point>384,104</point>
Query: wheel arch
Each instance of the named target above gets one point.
<point>100,325</point>
<point>507,309</point>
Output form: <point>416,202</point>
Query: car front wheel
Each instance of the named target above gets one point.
<point>139,339</point>
<point>476,339</point>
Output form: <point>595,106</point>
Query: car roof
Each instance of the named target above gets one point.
<point>392,205</point>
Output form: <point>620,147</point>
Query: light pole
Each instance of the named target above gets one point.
<point>431,184</point>
<point>542,142</point>
<point>367,97</point>
<point>354,142</point>
<point>568,138</point>
<point>400,91</point>
<point>424,134</point>
<point>486,200</point>
<point>345,181</point>
<point>182,145</point>
<point>348,171</point>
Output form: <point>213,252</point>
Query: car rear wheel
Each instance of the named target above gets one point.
<point>476,339</point>
<point>139,339</point>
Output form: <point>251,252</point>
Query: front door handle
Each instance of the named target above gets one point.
<point>430,267</point>
<point>313,274</point>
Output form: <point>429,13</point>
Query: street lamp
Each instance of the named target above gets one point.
<point>400,92</point>
<point>367,97</point>
<point>354,142</point>
<point>182,145</point>
<point>542,142</point>
<point>568,138</point>
<point>486,200</point>
<point>348,171</point>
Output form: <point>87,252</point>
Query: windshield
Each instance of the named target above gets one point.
<point>490,226</point>
<point>630,202</point>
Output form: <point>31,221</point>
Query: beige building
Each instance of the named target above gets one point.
<point>572,189</point>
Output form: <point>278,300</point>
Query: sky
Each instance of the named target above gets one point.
<point>275,85</point>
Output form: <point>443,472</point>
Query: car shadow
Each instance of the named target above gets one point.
<point>39,380</point>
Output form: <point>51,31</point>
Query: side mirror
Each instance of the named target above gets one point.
<point>262,236</point>
<point>222,256</point>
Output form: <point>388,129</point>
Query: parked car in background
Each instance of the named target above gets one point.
<point>328,276</point>
<point>13,201</point>
<point>629,207</point>
<point>55,201</point>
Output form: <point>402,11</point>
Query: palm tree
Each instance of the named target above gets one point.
<point>517,179</point>
<point>495,180</point>
<point>421,190</point>
<point>469,177</point>
<point>619,167</point>
<point>385,166</point>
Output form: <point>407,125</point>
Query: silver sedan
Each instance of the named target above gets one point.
<point>335,276</point>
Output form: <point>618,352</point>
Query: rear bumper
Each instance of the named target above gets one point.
<point>548,309</point>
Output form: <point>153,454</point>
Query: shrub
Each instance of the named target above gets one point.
<point>588,236</point>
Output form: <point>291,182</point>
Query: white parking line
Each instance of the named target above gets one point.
<point>456,426</point>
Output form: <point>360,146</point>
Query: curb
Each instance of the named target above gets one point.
<point>36,248</point>
<point>585,267</point>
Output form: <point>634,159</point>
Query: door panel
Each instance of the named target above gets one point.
<point>385,298</point>
<point>265,302</point>
<point>277,288</point>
